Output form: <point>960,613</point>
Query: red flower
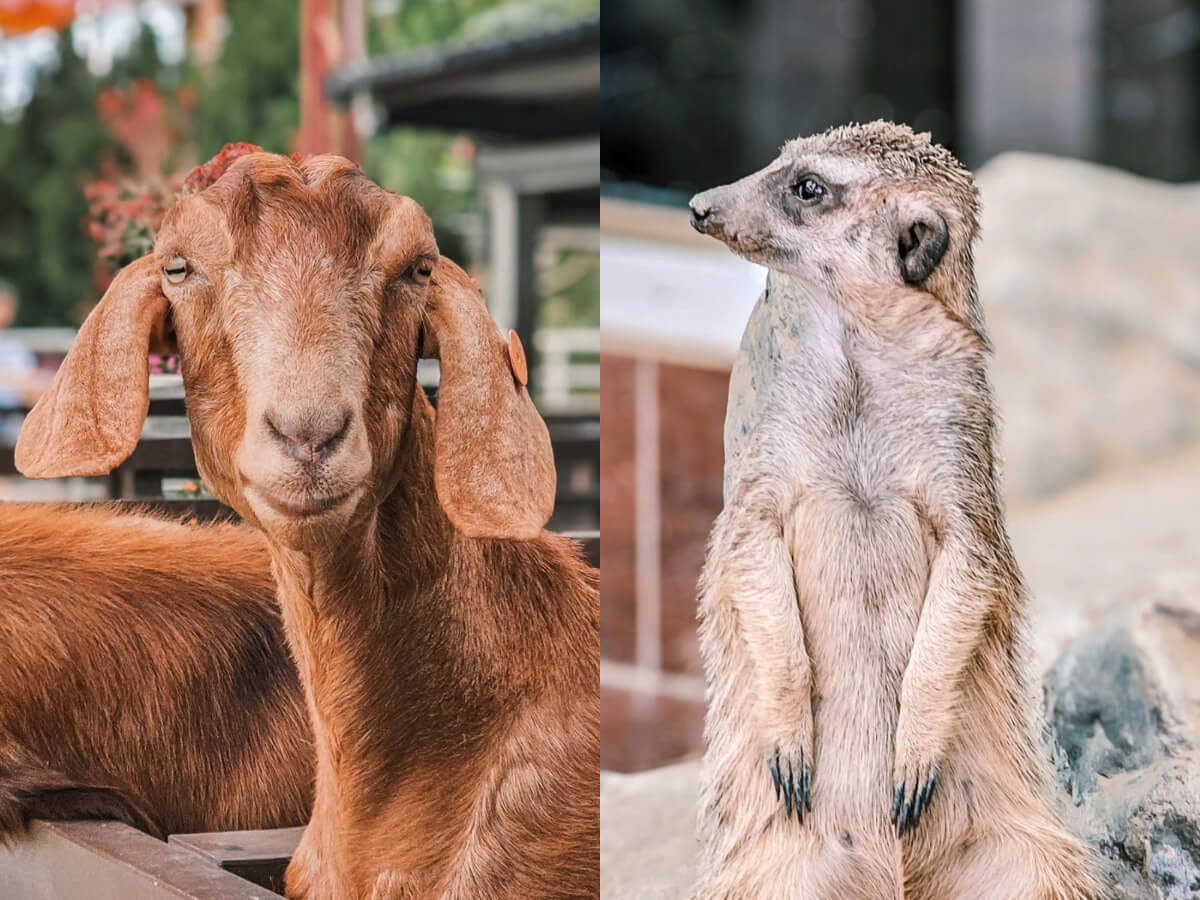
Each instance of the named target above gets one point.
<point>203,176</point>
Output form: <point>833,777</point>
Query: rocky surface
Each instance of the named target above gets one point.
<point>1123,710</point>
<point>647,833</point>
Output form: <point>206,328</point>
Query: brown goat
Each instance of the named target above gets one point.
<point>447,645</point>
<point>144,676</point>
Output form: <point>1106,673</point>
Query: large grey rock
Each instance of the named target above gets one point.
<point>1090,280</point>
<point>1123,710</point>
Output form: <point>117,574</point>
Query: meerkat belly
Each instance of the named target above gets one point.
<point>861,569</point>
<point>858,545</point>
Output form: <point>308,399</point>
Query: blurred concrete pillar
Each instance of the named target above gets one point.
<point>320,52</point>
<point>354,50</point>
<point>799,72</point>
<point>1152,87</point>
<point>206,30</point>
<point>1031,77</point>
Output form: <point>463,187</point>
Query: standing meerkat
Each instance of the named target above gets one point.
<point>873,722</point>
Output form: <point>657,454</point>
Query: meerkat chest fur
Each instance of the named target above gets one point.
<point>851,415</point>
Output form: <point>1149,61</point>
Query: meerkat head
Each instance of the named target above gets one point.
<point>873,205</point>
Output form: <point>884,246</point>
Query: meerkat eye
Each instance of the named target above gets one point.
<point>810,189</point>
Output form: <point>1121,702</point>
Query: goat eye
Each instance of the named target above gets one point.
<point>176,270</point>
<point>421,273</point>
<point>810,189</point>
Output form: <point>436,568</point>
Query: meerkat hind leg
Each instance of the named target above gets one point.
<point>777,865</point>
<point>1005,865</point>
<point>994,835</point>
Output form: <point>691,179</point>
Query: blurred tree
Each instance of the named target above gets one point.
<point>44,155</point>
<point>60,141</point>
<point>416,23</point>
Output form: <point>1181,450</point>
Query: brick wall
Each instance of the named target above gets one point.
<point>651,689</point>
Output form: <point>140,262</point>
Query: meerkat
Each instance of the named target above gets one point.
<point>873,720</point>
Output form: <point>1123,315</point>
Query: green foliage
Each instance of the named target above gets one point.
<point>570,289</point>
<point>252,93</point>
<point>43,157</point>
<point>59,142</point>
<point>511,19</point>
<point>417,23</point>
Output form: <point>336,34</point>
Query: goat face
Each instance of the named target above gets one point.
<point>296,296</point>
<point>300,297</point>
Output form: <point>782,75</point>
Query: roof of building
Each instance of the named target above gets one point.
<point>542,85</point>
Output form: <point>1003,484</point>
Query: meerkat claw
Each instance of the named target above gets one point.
<point>793,785</point>
<point>906,810</point>
<point>925,798</point>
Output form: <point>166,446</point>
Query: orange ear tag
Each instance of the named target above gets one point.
<point>516,359</point>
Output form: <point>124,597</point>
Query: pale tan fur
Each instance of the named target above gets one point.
<point>862,612</point>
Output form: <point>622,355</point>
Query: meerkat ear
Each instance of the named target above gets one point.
<point>922,242</point>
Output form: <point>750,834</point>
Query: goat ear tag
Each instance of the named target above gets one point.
<point>516,359</point>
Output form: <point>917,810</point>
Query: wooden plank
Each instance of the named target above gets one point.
<point>258,856</point>
<point>111,861</point>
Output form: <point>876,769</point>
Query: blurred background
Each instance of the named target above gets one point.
<point>486,112</point>
<point>1082,119</point>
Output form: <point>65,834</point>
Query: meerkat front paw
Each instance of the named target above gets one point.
<point>789,761</point>
<point>792,776</point>
<point>915,776</point>
<point>914,793</point>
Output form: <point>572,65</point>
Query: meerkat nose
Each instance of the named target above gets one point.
<point>701,210</point>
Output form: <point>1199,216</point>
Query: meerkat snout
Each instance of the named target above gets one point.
<point>701,211</point>
<point>730,214</point>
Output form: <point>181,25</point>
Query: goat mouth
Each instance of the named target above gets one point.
<point>307,507</point>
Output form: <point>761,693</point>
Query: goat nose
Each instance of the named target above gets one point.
<point>701,210</point>
<point>309,435</point>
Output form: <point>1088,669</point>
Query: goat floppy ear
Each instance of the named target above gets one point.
<point>90,418</point>
<point>493,463</point>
